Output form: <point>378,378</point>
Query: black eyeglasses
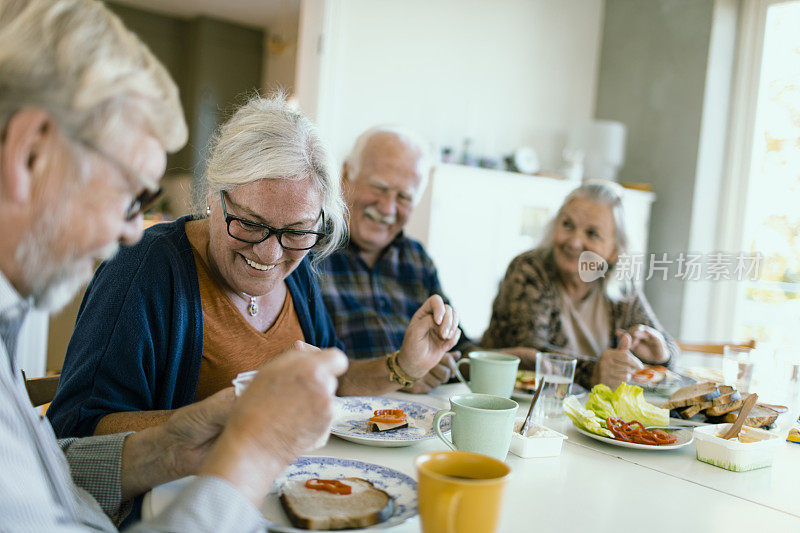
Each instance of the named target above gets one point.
<point>255,232</point>
<point>145,199</point>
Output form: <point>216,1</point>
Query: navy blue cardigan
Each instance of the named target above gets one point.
<point>138,340</point>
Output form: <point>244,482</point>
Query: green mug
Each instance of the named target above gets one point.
<point>490,373</point>
<point>481,423</point>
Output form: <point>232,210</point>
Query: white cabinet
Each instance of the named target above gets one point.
<point>473,221</point>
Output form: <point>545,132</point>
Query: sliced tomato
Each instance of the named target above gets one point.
<point>644,375</point>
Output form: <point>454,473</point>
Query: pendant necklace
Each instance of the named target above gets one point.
<point>253,307</point>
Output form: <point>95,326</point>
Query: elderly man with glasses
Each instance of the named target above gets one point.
<point>87,115</point>
<point>176,318</point>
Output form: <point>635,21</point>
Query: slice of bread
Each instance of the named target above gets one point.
<point>322,510</point>
<point>380,426</point>
<point>759,416</point>
<point>777,408</point>
<point>723,408</point>
<point>726,397</point>
<point>725,389</point>
<point>689,412</point>
<point>692,395</point>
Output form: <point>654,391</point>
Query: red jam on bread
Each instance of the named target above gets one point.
<point>329,485</point>
<point>387,419</point>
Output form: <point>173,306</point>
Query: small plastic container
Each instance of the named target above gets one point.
<point>242,380</point>
<point>731,454</point>
<point>540,442</point>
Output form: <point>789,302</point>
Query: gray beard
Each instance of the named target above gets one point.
<point>53,283</point>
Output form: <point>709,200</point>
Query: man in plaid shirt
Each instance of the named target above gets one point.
<point>374,284</point>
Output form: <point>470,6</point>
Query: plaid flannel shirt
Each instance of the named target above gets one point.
<point>372,307</point>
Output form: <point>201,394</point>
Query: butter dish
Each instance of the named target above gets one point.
<point>540,441</point>
<point>733,454</point>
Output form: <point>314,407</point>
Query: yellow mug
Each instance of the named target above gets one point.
<point>460,492</point>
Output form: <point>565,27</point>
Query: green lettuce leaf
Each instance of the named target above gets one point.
<point>600,401</point>
<point>584,418</point>
<point>629,403</point>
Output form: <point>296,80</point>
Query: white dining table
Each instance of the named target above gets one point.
<point>595,486</point>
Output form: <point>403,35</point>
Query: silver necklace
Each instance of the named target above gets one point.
<point>253,307</point>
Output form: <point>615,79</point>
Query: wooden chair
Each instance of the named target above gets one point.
<point>717,349</point>
<point>41,391</point>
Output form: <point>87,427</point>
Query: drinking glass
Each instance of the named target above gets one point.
<point>787,360</point>
<point>557,371</point>
<point>737,367</point>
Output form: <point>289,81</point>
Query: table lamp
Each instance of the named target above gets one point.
<point>603,144</point>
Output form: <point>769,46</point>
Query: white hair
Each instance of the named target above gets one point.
<point>602,192</point>
<point>407,137</point>
<point>265,139</point>
<point>605,193</point>
<point>75,60</point>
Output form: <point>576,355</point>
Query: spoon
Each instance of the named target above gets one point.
<point>527,424</point>
<point>748,404</point>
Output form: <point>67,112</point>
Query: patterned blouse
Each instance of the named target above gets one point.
<point>526,312</point>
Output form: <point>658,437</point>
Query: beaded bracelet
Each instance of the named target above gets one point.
<point>396,373</point>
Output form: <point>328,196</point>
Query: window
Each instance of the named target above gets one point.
<point>768,308</point>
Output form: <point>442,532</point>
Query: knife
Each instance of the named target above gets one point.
<point>527,424</point>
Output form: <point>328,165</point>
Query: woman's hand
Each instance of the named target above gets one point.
<point>433,331</point>
<point>617,365</point>
<point>647,344</point>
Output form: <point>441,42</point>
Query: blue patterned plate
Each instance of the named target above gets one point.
<point>399,486</point>
<point>353,412</point>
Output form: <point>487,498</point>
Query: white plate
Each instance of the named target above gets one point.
<point>399,486</point>
<point>577,391</point>
<point>353,412</point>
<point>685,437</point>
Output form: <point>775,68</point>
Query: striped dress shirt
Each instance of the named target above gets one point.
<point>75,484</point>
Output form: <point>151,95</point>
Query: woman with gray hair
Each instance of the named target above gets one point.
<point>174,319</point>
<point>544,302</point>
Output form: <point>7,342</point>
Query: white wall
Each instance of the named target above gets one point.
<point>653,77</point>
<point>280,52</point>
<point>506,73</point>
<point>309,59</point>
